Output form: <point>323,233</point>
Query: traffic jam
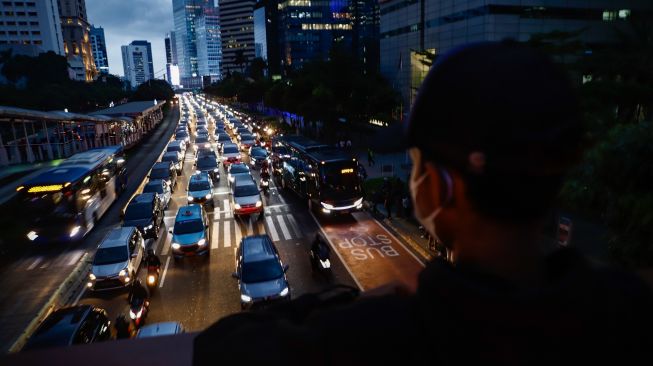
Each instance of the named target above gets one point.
<point>233,216</point>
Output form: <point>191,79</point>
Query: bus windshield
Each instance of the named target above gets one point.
<point>110,255</point>
<point>55,207</point>
<point>340,179</point>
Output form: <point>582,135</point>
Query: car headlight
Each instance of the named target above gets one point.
<point>358,201</point>
<point>32,235</point>
<point>122,273</point>
<point>126,279</point>
<point>216,170</point>
<point>176,246</point>
<point>74,231</point>
<point>208,196</point>
<point>92,276</point>
<point>245,298</point>
<point>201,242</point>
<point>149,227</point>
<point>327,206</point>
<point>259,203</point>
<point>236,206</point>
<point>190,199</point>
<point>284,292</point>
<point>197,172</point>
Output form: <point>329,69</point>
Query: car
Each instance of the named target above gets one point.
<point>230,153</point>
<point>117,259</point>
<point>145,211</point>
<point>178,146</point>
<point>202,140</point>
<point>222,138</point>
<point>166,171</point>
<point>182,136</point>
<point>159,187</point>
<point>176,158</point>
<point>208,164</point>
<point>190,234</point>
<point>260,272</point>
<point>237,170</point>
<point>257,155</point>
<point>201,131</point>
<point>247,141</point>
<point>160,329</point>
<point>200,189</point>
<point>246,198</point>
<point>80,324</point>
<point>243,131</point>
<point>203,151</point>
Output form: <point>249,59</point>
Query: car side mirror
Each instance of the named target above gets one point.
<point>285,268</point>
<point>170,231</point>
<point>235,275</point>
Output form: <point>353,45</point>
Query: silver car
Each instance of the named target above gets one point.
<point>117,259</point>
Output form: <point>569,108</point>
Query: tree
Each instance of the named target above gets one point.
<point>240,59</point>
<point>153,89</point>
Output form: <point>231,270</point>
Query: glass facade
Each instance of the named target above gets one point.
<point>185,14</point>
<point>99,49</point>
<point>209,46</point>
<point>237,34</point>
<point>137,62</point>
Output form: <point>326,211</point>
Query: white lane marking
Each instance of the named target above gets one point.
<point>271,229</point>
<point>222,193</point>
<point>284,228</point>
<point>293,226</point>
<point>216,215</point>
<point>227,234</point>
<point>165,271</point>
<point>35,263</point>
<point>239,232</point>
<point>45,265</point>
<point>356,214</point>
<point>75,257</point>
<point>334,249</point>
<point>250,229</point>
<point>166,244</point>
<point>225,207</point>
<point>215,236</point>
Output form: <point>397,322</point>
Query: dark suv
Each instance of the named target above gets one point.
<point>261,274</point>
<point>79,324</point>
<point>165,170</point>
<point>145,211</point>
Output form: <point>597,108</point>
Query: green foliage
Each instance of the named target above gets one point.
<point>153,89</point>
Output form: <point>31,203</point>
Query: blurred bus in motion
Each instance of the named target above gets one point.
<point>65,202</point>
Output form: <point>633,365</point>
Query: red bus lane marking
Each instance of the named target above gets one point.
<point>372,254</point>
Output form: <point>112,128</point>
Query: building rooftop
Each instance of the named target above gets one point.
<point>131,108</point>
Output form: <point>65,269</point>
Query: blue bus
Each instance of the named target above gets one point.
<point>65,202</point>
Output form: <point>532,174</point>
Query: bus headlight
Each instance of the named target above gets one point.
<point>327,206</point>
<point>74,231</point>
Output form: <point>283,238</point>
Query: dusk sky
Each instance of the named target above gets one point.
<point>127,20</point>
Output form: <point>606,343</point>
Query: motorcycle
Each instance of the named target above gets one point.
<point>152,277</point>
<point>320,261</point>
<point>138,311</point>
<point>264,185</point>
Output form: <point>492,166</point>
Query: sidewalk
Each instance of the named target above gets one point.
<point>385,165</point>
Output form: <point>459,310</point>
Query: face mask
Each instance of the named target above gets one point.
<point>428,221</point>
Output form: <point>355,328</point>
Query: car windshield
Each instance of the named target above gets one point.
<point>200,139</point>
<point>281,150</point>
<point>230,150</point>
<point>170,157</point>
<point>259,153</point>
<point>207,162</point>
<point>246,190</point>
<point>188,227</point>
<point>138,211</point>
<point>153,188</point>
<point>261,271</point>
<point>111,255</point>
<point>238,168</point>
<point>198,185</point>
<point>160,173</point>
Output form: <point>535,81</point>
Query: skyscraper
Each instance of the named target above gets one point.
<point>31,27</point>
<point>209,48</point>
<point>99,49</point>
<point>137,62</point>
<point>185,13</point>
<point>237,33</point>
<point>168,46</point>
<point>77,46</point>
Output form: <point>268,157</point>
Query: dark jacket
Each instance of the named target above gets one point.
<point>583,315</point>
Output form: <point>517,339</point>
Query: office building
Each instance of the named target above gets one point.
<point>365,33</point>
<point>171,48</point>
<point>76,38</point>
<point>185,13</point>
<point>137,62</point>
<point>413,31</point>
<point>266,31</point>
<point>237,34</point>
<point>172,75</point>
<point>209,48</point>
<point>30,27</point>
<point>99,49</point>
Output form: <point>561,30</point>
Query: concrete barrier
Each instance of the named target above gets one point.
<point>64,295</point>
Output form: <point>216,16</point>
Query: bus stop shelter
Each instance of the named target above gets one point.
<point>144,115</point>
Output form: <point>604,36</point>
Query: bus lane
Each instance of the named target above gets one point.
<point>373,255</point>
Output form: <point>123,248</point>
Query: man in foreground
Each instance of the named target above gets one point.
<point>494,130</point>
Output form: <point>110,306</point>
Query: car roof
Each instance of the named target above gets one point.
<point>162,164</point>
<point>199,176</point>
<point>174,143</point>
<point>59,327</point>
<point>147,197</point>
<point>257,248</point>
<point>160,329</point>
<point>242,181</point>
<point>155,182</point>
<point>229,144</point>
<point>189,212</point>
<point>117,237</point>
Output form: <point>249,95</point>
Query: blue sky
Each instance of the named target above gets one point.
<point>127,20</point>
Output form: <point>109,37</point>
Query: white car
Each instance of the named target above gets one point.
<point>159,187</point>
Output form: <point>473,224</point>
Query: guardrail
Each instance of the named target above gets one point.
<point>65,294</point>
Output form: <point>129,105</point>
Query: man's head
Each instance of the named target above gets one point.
<point>493,130</point>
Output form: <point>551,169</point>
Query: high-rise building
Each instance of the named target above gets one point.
<point>77,45</point>
<point>172,75</point>
<point>266,30</point>
<point>365,33</point>
<point>413,32</point>
<point>185,13</point>
<point>99,49</point>
<point>237,33</point>
<point>137,62</point>
<point>30,27</point>
<point>209,48</point>
<point>168,45</point>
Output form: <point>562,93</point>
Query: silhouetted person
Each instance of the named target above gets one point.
<point>370,157</point>
<point>492,133</point>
